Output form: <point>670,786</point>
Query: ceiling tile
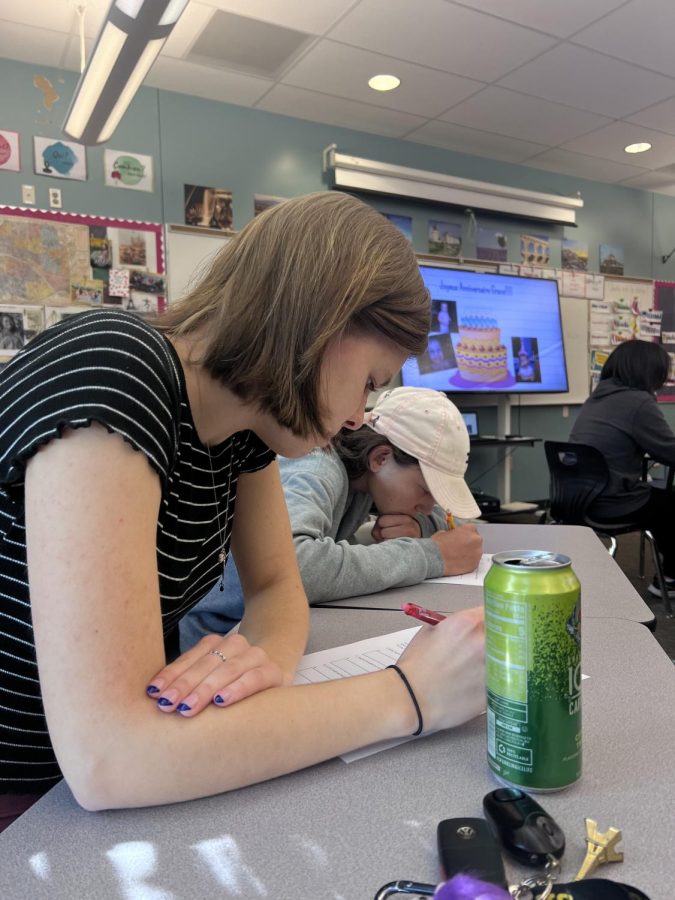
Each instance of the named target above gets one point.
<point>591,81</point>
<point>608,143</point>
<point>31,44</point>
<point>478,143</point>
<point>293,101</point>
<point>344,71</point>
<point>441,35</point>
<point>522,116</point>
<point>561,19</point>
<point>661,116</point>
<point>640,32</point>
<point>568,163</point>
<point>61,16</point>
<point>314,17</point>
<point>200,81</point>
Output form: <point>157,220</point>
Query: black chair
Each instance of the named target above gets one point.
<point>579,474</point>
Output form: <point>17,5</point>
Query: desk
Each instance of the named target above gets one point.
<point>503,458</point>
<point>605,591</point>
<point>339,832</point>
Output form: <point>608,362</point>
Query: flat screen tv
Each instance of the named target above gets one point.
<point>490,333</point>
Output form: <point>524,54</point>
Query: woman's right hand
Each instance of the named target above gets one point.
<point>445,665</point>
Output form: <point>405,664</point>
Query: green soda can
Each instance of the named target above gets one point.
<point>533,669</point>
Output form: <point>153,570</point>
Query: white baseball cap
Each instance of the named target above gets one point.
<point>425,424</point>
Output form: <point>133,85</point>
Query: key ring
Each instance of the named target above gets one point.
<point>545,881</point>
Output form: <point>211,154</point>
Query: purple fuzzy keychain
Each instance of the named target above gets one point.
<point>463,887</point>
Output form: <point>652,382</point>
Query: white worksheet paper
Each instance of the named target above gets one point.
<point>477,577</point>
<point>358,658</point>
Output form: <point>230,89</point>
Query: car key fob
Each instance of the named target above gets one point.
<point>468,846</point>
<point>529,834</point>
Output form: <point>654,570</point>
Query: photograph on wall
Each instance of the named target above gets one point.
<point>33,321</point>
<point>439,355</point>
<point>207,207</point>
<point>575,255</point>
<point>444,317</point>
<point>118,284</point>
<point>525,354</point>
<point>134,248</point>
<point>492,245</point>
<point>88,292</point>
<point>611,259</point>
<point>444,238</point>
<point>403,223</point>
<point>132,171</point>
<point>535,249</point>
<point>147,282</point>
<point>10,144</point>
<point>12,336</point>
<point>56,314</point>
<point>60,159</point>
<point>261,202</point>
<point>100,252</point>
<point>141,303</point>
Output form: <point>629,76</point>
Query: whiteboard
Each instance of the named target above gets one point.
<point>188,253</point>
<point>574,313</point>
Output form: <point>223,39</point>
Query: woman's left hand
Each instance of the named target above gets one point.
<point>218,669</point>
<point>389,526</point>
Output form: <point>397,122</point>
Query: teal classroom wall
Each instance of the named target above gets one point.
<point>247,151</point>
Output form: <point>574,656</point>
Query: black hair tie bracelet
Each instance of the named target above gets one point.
<point>420,721</point>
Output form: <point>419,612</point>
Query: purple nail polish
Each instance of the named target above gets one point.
<point>218,699</point>
<point>164,702</point>
<point>152,689</point>
<point>183,707</point>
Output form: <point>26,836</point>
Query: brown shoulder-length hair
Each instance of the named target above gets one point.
<point>354,447</point>
<point>304,272</point>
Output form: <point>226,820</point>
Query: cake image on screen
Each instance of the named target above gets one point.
<point>481,356</point>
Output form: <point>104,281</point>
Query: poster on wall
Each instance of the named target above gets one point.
<point>60,159</point>
<point>207,207</point>
<point>611,259</point>
<point>664,301</point>
<point>132,171</point>
<point>575,255</point>
<point>535,249</point>
<point>261,202</point>
<point>10,158</point>
<point>444,238</point>
<point>492,245</point>
<point>403,223</point>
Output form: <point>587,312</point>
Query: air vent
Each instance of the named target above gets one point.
<point>237,42</point>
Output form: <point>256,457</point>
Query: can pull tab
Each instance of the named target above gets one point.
<point>543,559</point>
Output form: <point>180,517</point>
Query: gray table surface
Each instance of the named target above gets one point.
<point>605,590</point>
<point>340,831</point>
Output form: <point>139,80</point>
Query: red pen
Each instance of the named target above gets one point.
<point>430,616</point>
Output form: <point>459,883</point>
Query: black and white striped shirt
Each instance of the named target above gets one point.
<point>112,368</point>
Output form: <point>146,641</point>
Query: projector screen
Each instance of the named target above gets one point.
<point>490,333</point>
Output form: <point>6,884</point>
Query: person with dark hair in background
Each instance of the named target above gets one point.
<point>622,419</point>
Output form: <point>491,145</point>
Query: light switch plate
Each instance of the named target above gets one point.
<point>55,198</point>
<point>28,193</point>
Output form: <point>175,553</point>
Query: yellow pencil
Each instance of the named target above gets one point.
<point>450,519</point>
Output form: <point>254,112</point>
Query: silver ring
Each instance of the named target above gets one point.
<point>217,653</point>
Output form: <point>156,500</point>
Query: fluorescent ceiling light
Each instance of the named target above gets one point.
<point>132,34</point>
<point>353,173</point>
<point>640,147</point>
<point>384,82</point>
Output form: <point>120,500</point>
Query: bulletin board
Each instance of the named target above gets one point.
<point>56,264</point>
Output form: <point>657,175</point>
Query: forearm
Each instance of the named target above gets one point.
<point>333,570</point>
<point>141,757</point>
<point>277,619</point>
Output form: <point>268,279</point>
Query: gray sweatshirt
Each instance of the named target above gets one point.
<point>624,424</point>
<point>324,516</point>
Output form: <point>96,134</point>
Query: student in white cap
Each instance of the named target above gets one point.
<point>408,461</point>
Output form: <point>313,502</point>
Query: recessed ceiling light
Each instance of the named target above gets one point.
<point>384,82</point>
<point>638,148</point>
